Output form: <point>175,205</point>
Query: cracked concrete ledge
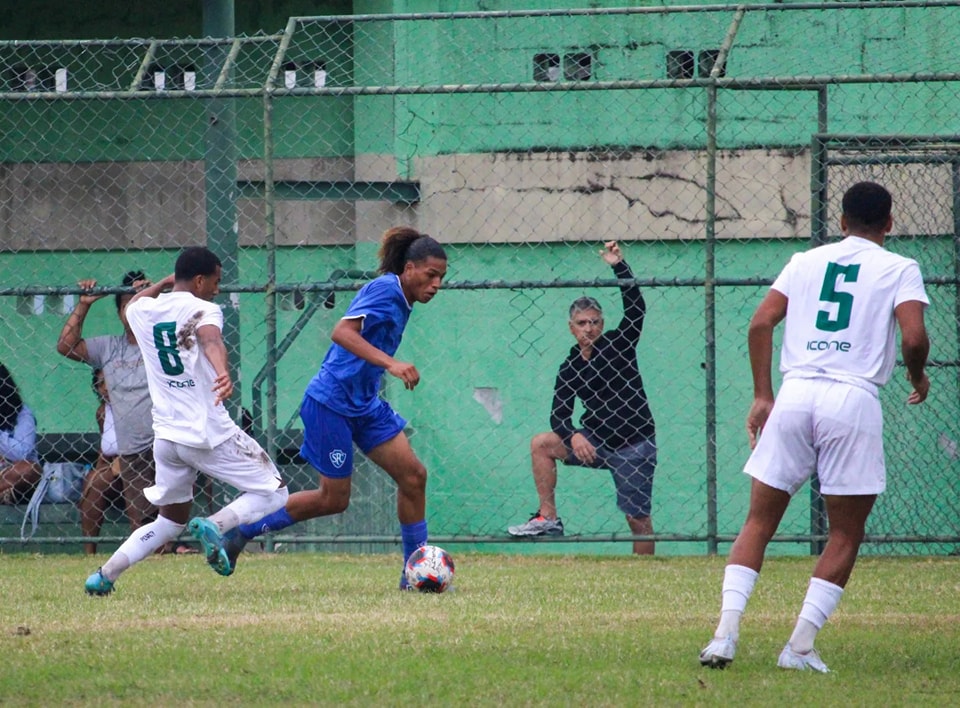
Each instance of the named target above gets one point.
<point>523,197</point>
<point>571,196</point>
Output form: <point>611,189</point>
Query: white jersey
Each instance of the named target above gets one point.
<point>840,301</point>
<point>179,375</point>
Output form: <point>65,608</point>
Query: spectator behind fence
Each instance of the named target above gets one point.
<point>20,468</point>
<point>119,358</point>
<point>842,304</point>
<point>102,483</point>
<point>616,429</point>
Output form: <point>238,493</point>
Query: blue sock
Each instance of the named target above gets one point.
<point>274,521</point>
<point>413,536</point>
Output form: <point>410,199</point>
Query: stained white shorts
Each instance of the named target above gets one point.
<point>238,461</point>
<point>818,425</point>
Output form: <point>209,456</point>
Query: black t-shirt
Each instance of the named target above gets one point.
<point>609,384</point>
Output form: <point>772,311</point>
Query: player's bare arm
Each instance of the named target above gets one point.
<point>211,343</point>
<point>346,333</point>
<point>768,315</point>
<point>915,347</point>
<point>148,289</point>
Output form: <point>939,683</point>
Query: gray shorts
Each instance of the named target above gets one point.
<point>632,467</point>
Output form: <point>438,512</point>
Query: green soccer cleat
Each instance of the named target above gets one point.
<point>98,585</point>
<point>207,533</point>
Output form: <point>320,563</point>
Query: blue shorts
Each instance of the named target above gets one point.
<point>632,468</point>
<point>328,436</point>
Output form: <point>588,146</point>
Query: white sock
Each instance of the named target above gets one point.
<point>225,519</point>
<point>249,507</point>
<point>738,582</point>
<point>821,600</point>
<point>143,542</point>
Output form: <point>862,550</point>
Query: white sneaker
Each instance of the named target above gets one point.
<point>719,652</point>
<point>789,659</point>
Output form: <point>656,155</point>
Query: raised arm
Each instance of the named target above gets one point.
<point>148,289</point>
<point>634,307</point>
<point>70,342</point>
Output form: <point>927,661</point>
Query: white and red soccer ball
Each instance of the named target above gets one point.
<point>429,569</point>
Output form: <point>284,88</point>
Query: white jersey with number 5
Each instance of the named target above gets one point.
<point>179,375</point>
<point>840,301</point>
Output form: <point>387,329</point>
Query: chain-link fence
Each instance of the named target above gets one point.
<point>711,142</point>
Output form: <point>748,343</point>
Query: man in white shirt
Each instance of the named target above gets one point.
<point>842,303</point>
<point>180,336</point>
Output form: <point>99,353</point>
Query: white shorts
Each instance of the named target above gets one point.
<point>238,461</point>
<point>819,425</point>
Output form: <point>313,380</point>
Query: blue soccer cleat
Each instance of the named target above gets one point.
<point>233,543</point>
<point>98,585</point>
<point>207,533</point>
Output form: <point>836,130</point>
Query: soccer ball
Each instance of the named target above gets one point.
<point>429,569</point>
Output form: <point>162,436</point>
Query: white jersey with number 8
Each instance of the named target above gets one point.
<point>179,375</point>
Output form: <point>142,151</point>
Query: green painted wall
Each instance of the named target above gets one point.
<point>106,19</point>
<point>502,51</point>
<point>513,341</point>
<point>507,339</point>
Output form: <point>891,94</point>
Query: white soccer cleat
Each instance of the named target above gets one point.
<point>719,652</point>
<point>789,659</point>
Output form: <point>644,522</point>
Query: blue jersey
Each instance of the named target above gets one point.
<point>346,383</point>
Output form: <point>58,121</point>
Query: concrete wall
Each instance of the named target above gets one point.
<point>532,197</point>
<point>139,205</point>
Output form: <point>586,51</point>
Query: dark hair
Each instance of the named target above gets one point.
<point>584,303</point>
<point>195,261</point>
<point>129,278</point>
<point>402,244</point>
<point>10,401</point>
<point>866,206</point>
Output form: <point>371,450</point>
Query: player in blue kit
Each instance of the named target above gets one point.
<point>342,405</point>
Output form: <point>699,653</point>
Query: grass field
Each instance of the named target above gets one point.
<point>312,629</point>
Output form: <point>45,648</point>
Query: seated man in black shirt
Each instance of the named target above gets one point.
<point>616,430</point>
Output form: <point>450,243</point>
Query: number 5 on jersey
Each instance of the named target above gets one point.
<point>844,300</point>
